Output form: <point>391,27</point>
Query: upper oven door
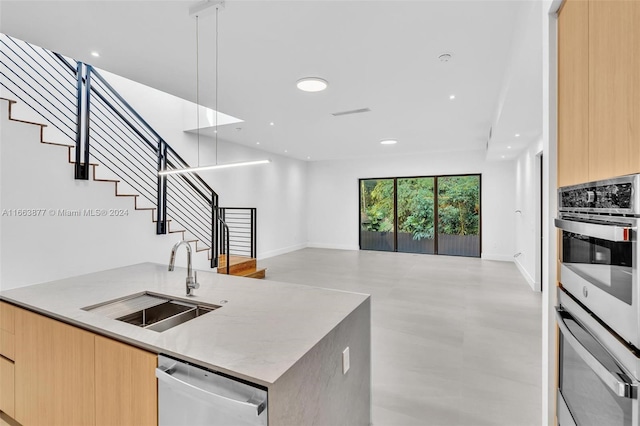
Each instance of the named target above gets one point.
<point>599,268</point>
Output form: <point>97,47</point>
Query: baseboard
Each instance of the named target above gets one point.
<point>278,252</point>
<point>530,280</point>
<point>498,257</point>
<point>333,246</point>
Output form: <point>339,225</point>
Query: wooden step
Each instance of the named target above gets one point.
<point>258,274</point>
<point>237,264</point>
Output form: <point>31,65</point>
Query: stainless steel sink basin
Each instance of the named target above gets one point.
<point>151,311</point>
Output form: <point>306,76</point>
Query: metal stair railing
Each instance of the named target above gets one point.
<point>241,227</point>
<point>86,109</point>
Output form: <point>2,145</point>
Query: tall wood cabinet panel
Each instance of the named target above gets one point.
<point>573,93</point>
<point>126,387</point>
<point>614,88</point>
<point>54,372</point>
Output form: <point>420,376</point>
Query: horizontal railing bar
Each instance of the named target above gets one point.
<point>173,152</point>
<point>97,85</point>
<point>35,100</point>
<point>151,157</point>
<point>33,61</point>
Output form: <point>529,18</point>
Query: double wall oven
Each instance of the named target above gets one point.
<point>599,303</point>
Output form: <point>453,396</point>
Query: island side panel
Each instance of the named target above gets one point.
<point>315,392</point>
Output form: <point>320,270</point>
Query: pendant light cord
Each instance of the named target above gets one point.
<point>198,88</point>
<point>216,133</point>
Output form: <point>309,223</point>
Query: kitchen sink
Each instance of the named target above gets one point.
<point>151,311</point>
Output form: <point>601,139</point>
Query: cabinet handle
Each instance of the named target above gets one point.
<point>165,375</point>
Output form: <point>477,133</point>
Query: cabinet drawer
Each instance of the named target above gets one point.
<point>7,330</point>
<point>7,344</point>
<point>7,387</point>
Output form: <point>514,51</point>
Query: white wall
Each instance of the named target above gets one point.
<point>333,196</point>
<point>48,246</point>
<point>549,184</point>
<point>527,224</point>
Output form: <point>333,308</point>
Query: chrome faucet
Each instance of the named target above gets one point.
<point>192,276</point>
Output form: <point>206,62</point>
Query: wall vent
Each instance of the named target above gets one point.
<point>353,111</point>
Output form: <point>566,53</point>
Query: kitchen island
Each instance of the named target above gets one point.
<point>287,338</point>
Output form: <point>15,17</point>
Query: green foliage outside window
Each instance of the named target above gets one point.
<point>458,206</point>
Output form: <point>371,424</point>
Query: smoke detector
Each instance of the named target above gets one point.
<point>445,57</point>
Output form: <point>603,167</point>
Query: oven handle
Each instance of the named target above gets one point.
<point>611,232</point>
<point>611,379</point>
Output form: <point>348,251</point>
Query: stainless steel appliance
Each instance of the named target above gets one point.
<point>190,395</point>
<point>599,253</point>
<point>598,374</point>
<point>599,303</point>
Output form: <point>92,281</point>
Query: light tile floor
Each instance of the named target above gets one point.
<point>455,341</point>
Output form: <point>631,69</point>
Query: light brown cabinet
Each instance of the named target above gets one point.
<point>598,90</point>
<point>63,375</point>
<point>573,93</point>
<point>54,372</point>
<point>126,387</point>
<point>7,355</point>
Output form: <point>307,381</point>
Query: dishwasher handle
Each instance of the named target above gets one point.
<point>165,375</point>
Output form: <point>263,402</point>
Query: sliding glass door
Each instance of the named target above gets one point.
<point>459,215</point>
<point>377,214</point>
<point>416,219</point>
<point>432,215</point>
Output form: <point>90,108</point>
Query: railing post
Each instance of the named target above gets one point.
<point>161,202</point>
<point>254,236</point>
<point>214,233</point>
<point>83,100</point>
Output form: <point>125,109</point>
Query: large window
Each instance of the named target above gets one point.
<point>435,215</point>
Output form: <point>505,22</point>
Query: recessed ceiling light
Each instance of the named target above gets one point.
<point>95,54</point>
<point>389,142</point>
<point>286,150</point>
<point>503,156</point>
<point>257,143</point>
<point>452,97</point>
<point>312,84</point>
<point>517,135</point>
<point>308,158</point>
<point>509,147</point>
<point>272,123</point>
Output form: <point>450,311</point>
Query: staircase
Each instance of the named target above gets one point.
<point>108,141</point>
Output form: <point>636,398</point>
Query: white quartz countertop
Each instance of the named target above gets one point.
<point>264,328</point>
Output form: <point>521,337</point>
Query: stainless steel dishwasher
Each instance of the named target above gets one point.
<point>191,396</point>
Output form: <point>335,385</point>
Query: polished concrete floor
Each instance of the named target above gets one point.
<point>455,341</point>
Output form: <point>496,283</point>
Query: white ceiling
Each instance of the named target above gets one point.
<point>381,55</point>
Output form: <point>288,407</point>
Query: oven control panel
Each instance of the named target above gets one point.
<point>617,196</point>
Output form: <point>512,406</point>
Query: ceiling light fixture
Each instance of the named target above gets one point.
<point>452,97</point>
<point>509,147</point>
<point>389,142</point>
<point>257,143</point>
<point>517,135</point>
<point>203,8</point>
<point>503,156</point>
<point>95,54</point>
<point>272,123</point>
<point>213,167</point>
<point>312,84</point>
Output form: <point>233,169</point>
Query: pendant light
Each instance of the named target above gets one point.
<point>198,10</point>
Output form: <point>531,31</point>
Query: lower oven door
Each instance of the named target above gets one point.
<point>594,389</point>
